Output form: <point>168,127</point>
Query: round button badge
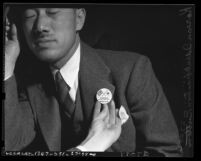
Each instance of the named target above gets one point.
<point>104,96</point>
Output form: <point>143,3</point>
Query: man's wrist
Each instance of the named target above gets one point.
<point>94,143</point>
<point>82,148</point>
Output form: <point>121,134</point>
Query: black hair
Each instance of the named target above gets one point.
<point>16,10</point>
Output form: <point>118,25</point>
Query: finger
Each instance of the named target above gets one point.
<point>6,12</point>
<point>117,118</point>
<point>7,28</point>
<point>104,112</point>
<point>112,113</point>
<point>107,117</point>
<point>7,25</point>
<point>97,109</point>
<point>118,121</point>
<point>14,32</point>
<point>6,38</point>
<point>7,22</point>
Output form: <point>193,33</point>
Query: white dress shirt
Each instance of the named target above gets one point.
<point>70,72</point>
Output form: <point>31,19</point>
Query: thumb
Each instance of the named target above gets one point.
<point>97,109</point>
<point>14,32</point>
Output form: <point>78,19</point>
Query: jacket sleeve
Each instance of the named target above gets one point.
<point>156,130</point>
<point>18,118</point>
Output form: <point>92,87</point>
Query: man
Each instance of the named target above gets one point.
<point>52,35</point>
<point>22,131</point>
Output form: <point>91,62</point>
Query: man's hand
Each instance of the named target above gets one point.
<point>12,48</point>
<point>105,128</point>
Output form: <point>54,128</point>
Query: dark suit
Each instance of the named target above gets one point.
<point>129,76</point>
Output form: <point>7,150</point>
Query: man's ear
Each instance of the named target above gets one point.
<point>80,18</point>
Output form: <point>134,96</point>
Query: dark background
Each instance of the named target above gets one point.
<point>159,32</point>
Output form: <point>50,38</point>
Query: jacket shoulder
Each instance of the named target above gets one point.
<point>119,59</point>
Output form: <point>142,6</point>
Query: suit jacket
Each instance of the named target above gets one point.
<point>30,104</point>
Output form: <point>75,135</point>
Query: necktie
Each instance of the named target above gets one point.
<point>63,95</point>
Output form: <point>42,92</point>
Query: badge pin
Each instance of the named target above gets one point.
<point>104,96</point>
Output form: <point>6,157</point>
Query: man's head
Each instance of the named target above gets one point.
<point>51,33</point>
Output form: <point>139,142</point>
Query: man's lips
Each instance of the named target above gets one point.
<point>44,42</point>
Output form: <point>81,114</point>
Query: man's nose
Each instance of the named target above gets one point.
<point>42,25</point>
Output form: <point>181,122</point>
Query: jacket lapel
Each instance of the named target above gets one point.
<point>46,109</point>
<point>94,75</point>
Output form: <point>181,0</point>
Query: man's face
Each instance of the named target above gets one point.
<point>51,32</point>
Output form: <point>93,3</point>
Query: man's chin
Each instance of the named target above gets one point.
<point>46,55</point>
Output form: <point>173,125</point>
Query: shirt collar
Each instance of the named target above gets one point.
<point>70,70</point>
